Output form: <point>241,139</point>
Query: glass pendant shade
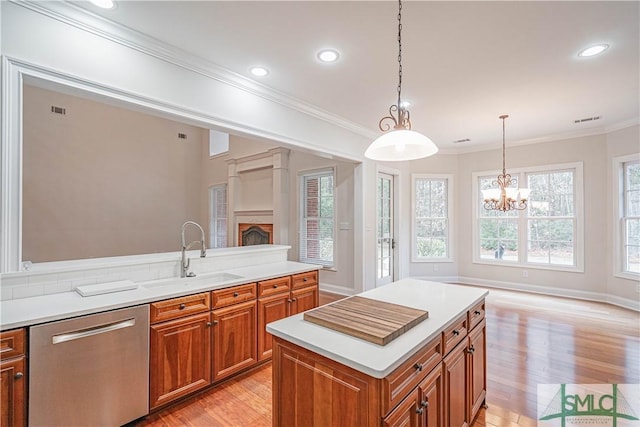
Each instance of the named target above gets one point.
<point>401,144</point>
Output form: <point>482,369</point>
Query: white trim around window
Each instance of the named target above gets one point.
<point>431,214</point>
<point>523,219</point>
<point>619,234</point>
<point>317,217</point>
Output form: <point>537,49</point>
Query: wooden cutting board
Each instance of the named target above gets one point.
<point>375,321</point>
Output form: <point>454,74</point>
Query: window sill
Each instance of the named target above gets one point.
<point>431,260</point>
<point>627,276</point>
<point>516,264</point>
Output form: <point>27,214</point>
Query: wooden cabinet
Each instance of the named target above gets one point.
<point>280,298</point>
<point>180,358</point>
<point>234,339</point>
<point>13,378</point>
<point>442,384</point>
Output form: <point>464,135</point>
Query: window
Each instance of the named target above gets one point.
<point>546,234</point>
<point>629,216</point>
<point>218,216</point>
<point>317,212</point>
<point>431,207</point>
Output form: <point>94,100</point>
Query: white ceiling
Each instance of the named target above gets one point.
<point>464,63</point>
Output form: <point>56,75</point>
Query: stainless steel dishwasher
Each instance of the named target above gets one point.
<point>91,370</point>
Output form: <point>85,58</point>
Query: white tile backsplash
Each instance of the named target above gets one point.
<point>44,282</point>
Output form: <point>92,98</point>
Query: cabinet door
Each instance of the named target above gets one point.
<point>303,299</point>
<point>180,358</point>
<point>407,414</point>
<point>455,387</point>
<point>234,339</point>
<point>477,368</point>
<point>12,393</point>
<point>270,309</point>
<point>431,399</point>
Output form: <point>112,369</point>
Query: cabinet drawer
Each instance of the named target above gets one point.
<point>408,375</point>
<point>476,314</point>
<point>233,295</point>
<point>274,286</point>
<point>303,280</point>
<point>12,343</point>
<point>454,334</point>
<point>179,307</point>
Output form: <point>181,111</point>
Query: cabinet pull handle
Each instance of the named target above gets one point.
<point>471,350</point>
<point>477,313</point>
<point>235,295</point>
<point>289,300</point>
<point>418,367</point>
<point>305,279</point>
<point>419,411</point>
<point>209,324</point>
<point>424,404</point>
<point>456,332</point>
<point>182,307</point>
<point>275,286</point>
<point>294,299</point>
<point>18,375</point>
<point>215,322</point>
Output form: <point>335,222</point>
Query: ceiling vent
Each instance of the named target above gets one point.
<point>461,140</point>
<point>587,119</point>
<point>58,110</point>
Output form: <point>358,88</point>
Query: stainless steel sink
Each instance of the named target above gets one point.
<point>201,280</point>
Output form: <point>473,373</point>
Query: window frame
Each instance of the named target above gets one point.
<point>301,218</point>
<point>523,218</point>
<point>619,229</point>
<point>213,216</point>
<point>449,179</point>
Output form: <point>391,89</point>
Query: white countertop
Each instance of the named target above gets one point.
<point>444,303</point>
<point>31,311</point>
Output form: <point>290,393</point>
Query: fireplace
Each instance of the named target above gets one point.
<point>255,234</point>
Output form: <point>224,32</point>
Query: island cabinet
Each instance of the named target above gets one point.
<point>442,383</point>
<point>282,297</point>
<point>13,379</point>
<point>180,348</point>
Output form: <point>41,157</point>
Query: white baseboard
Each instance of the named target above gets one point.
<point>337,289</point>
<point>569,293</point>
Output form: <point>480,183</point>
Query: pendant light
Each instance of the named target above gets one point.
<point>399,143</point>
<point>505,198</point>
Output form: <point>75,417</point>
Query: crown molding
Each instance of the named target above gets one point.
<point>87,21</point>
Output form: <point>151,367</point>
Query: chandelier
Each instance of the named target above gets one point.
<point>505,197</point>
<point>401,143</point>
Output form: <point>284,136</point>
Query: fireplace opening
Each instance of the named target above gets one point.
<point>255,234</point>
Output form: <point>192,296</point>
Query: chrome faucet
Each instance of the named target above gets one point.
<point>184,264</point>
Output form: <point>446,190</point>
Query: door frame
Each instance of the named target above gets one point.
<point>395,173</point>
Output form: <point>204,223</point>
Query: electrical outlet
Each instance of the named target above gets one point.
<point>638,288</point>
<point>525,273</point>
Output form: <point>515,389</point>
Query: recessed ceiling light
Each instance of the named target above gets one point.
<point>259,71</point>
<point>594,50</point>
<point>328,55</point>
<point>104,4</point>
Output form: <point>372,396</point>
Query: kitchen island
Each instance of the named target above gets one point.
<point>432,375</point>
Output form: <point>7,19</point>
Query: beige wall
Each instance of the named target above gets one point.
<point>104,181</point>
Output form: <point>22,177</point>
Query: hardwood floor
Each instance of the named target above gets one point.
<point>531,340</point>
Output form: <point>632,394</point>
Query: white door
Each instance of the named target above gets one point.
<point>386,243</point>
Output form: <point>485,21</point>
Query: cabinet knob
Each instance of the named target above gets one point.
<point>235,295</point>
<point>418,367</point>
<point>306,279</point>
<point>209,324</point>
<point>294,299</point>
<point>424,404</point>
<point>456,332</point>
<point>18,375</point>
<point>215,322</point>
<point>182,307</point>
<point>275,286</point>
<point>471,350</point>
<point>477,313</point>
<point>419,411</point>
<point>289,300</point>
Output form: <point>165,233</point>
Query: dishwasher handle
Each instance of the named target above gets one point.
<point>94,330</point>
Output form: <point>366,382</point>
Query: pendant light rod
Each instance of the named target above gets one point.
<point>400,56</point>
<point>504,150</point>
